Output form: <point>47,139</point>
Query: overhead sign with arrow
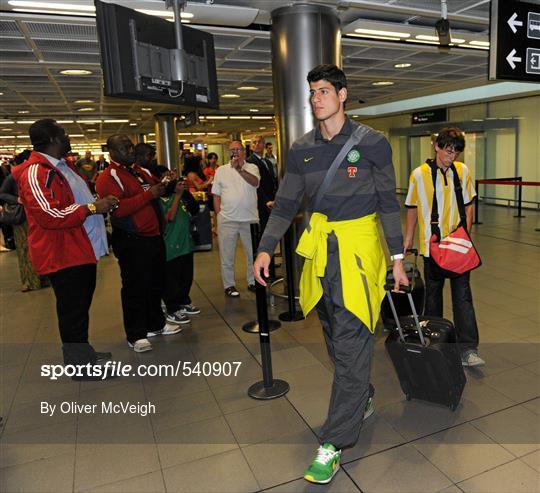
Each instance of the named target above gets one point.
<point>515,41</point>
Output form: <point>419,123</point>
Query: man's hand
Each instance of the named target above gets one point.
<point>106,204</point>
<point>158,190</point>
<point>407,245</point>
<point>179,188</point>
<point>400,277</point>
<point>262,262</point>
<point>270,204</point>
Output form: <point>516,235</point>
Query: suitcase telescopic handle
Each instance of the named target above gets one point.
<point>407,290</point>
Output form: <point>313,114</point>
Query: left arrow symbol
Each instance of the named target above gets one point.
<point>511,58</point>
<point>513,23</point>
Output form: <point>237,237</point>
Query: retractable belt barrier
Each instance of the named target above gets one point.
<point>268,387</point>
<point>516,181</point>
<point>292,314</point>
<point>253,327</point>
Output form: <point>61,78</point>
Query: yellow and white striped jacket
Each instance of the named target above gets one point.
<point>420,195</point>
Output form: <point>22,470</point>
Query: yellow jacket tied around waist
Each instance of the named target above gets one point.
<point>361,260</point>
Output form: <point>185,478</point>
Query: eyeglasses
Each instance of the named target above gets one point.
<point>451,151</point>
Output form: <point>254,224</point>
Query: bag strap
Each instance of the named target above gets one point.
<point>353,140</point>
<point>459,197</point>
<point>459,200</point>
<point>434,205</point>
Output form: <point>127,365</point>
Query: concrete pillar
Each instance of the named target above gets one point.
<point>167,141</point>
<point>302,37</point>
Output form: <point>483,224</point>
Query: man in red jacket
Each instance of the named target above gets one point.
<point>66,236</point>
<point>137,243</point>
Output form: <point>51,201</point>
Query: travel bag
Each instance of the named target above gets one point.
<point>426,356</point>
<point>201,229</point>
<point>418,292</point>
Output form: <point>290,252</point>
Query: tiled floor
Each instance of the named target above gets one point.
<point>208,435</point>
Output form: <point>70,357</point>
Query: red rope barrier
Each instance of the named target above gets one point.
<point>516,183</point>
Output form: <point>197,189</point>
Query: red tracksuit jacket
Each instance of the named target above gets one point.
<point>56,235</point>
<point>136,212</point>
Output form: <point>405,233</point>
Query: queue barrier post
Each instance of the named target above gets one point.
<point>253,327</point>
<point>476,202</point>
<point>520,196</point>
<point>292,314</point>
<point>268,387</point>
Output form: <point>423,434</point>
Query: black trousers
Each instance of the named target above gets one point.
<point>142,267</point>
<point>179,279</point>
<point>74,289</point>
<point>350,346</point>
<point>462,303</point>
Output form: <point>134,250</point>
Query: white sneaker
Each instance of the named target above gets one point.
<point>141,345</point>
<point>471,358</point>
<point>177,318</point>
<point>167,330</point>
<point>163,307</point>
<point>189,309</point>
<point>369,409</point>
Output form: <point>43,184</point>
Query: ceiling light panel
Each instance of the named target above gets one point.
<point>52,5</point>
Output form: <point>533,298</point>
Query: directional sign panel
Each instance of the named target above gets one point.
<point>515,41</point>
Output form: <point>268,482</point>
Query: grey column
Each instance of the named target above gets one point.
<point>141,138</point>
<point>167,141</point>
<point>302,37</point>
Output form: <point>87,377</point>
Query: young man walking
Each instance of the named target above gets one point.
<point>449,143</point>
<point>344,269</point>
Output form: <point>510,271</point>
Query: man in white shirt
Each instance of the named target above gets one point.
<point>235,204</point>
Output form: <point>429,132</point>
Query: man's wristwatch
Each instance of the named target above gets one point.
<point>398,256</point>
<point>92,208</point>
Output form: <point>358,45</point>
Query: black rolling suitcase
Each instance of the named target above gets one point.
<point>426,356</point>
<point>201,229</point>
<point>418,292</point>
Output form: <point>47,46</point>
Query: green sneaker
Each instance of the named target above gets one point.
<point>324,466</point>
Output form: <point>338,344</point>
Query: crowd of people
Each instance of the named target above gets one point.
<point>151,208</point>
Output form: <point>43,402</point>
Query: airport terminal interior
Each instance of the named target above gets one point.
<point>204,432</point>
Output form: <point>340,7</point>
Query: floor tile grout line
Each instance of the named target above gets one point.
<point>521,460</point>
<point>154,435</point>
<point>500,444</point>
<point>410,442</point>
<point>514,459</point>
<point>76,441</point>
<point>31,344</point>
<point>506,239</point>
<point>474,475</point>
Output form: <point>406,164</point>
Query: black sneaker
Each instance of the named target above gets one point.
<point>252,288</point>
<point>232,292</point>
<point>102,357</point>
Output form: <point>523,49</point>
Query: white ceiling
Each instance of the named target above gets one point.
<point>35,47</point>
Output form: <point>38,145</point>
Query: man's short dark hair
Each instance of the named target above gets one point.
<point>210,155</point>
<point>142,148</point>
<point>331,73</point>
<point>451,137</point>
<point>268,144</point>
<point>43,133</point>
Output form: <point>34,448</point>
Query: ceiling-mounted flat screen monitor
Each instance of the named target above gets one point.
<point>138,57</point>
